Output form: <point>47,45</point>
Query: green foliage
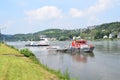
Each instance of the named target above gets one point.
<point>97,32</point>
<point>26,52</point>
<point>101,30</point>
<point>63,38</point>
<point>59,34</point>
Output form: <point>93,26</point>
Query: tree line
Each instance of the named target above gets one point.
<point>91,32</point>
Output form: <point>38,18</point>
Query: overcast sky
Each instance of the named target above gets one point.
<point>27,16</point>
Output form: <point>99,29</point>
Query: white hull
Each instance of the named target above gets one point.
<point>42,42</point>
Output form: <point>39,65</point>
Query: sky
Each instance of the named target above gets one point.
<point>29,16</point>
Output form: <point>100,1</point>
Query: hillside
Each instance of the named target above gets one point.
<point>59,34</point>
<point>94,32</point>
<point>106,29</point>
<point>15,66</point>
<point>111,27</point>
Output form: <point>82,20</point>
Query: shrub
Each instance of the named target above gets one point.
<point>26,52</point>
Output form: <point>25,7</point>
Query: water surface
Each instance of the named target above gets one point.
<point>102,64</point>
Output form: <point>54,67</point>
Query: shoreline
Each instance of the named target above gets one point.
<point>30,57</point>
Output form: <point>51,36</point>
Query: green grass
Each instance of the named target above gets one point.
<point>31,56</point>
<point>23,65</point>
<point>4,49</point>
<point>14,67</point>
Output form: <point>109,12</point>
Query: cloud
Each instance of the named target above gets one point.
<point>75,12</point>
<point>44,13</point>
<point>99,7</point>
<point>91,15</point>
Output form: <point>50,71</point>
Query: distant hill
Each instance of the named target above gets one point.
<point>96,32</point>
<point>6,37</point>
<point>104,29</point>
<point>110,27</point>
<point>59,34</point>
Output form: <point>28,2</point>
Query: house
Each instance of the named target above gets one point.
<point>75,38</point>
<point>118,36</point>
<point>111,35</point>
<point>104,37</point>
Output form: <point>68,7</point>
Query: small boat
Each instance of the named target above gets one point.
<point>82,45</point>
<point>78,46</point>
<point>42,42</point>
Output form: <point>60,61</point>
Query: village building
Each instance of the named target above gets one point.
<point>104,37</point>
<point>118,36</point>
<point>111,35</point>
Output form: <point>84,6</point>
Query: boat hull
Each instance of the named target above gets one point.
<point>37,45</point>
<point>71,50</point>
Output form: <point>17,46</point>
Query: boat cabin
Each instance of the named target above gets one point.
<point>78,43</point>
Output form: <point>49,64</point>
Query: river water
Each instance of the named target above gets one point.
<point>102,64</point>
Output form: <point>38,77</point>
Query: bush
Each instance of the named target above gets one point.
<point>26,52</point>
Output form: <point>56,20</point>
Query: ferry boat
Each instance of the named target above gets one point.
<point>81,45</point>
<point>42,42</point>
<point>78,46</point>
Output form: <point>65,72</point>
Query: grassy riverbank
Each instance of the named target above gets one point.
<point>15,66</point>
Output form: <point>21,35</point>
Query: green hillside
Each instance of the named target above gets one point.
<point>23,65</point>
<point>106,29</point>
<point>15,66</point>
<point>92,32</point>
<point>98,31</point>
<point>110,27</point>
<point>59,34</point>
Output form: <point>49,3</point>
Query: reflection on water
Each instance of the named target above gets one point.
<point>81,57</point>
<point>108,46</point>
<point>76,56</point>
<point>102,64</point>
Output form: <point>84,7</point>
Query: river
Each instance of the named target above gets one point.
<point>102,64</point>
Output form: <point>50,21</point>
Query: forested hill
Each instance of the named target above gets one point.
<point>99,31</point>
<point>94,32</point>
<point>110,27</point>
<point>59,34</point>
